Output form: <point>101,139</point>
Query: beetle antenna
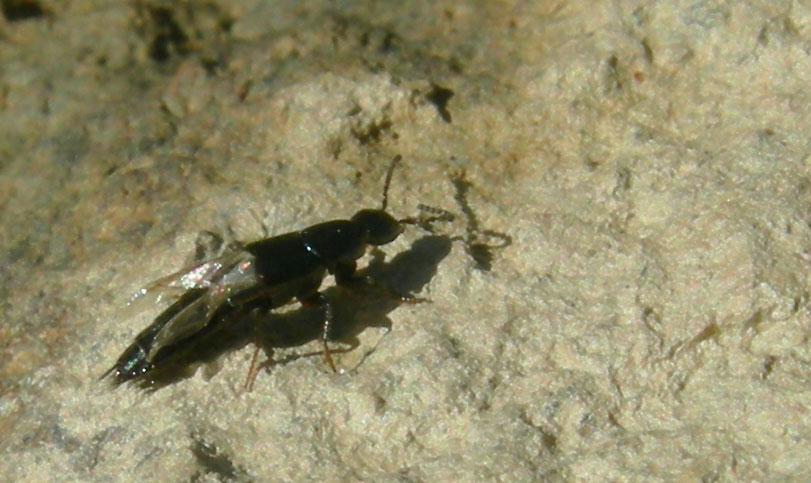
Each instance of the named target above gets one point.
<point>389,173</point>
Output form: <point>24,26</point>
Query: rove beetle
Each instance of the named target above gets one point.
<point>276,270</point>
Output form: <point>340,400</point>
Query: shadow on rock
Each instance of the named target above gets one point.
<point>354,310</point>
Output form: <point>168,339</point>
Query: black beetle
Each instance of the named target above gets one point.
<point>276,270</point>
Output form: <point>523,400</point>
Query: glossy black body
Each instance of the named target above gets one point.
<point>333,246</point>
<point>277,269</point>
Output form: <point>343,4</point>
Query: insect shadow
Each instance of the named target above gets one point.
<point>354,310</point>
<point>475,238</point>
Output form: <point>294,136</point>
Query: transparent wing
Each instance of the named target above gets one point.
<point>172,287</point>
<point>221,279</point>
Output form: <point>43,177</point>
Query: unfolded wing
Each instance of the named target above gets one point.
<point>214,283</point>
<point>171,287</point>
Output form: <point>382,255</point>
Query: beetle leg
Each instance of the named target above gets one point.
<point>252,371</point>
<point>319,299</point>
<point>345,273</point>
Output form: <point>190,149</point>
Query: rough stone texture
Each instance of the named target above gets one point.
<point>649,162</point>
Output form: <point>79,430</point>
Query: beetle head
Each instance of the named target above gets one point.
<point>379,226</point>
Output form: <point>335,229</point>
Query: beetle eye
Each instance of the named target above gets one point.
<point>381,227</point>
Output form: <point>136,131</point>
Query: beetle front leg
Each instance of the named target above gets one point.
<point>318,298</point>
<point>345,273</point>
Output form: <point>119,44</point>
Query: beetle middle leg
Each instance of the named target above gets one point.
<point>314,298</point>
<point>319,299</point>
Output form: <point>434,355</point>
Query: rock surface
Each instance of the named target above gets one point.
<point>622,296</point>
